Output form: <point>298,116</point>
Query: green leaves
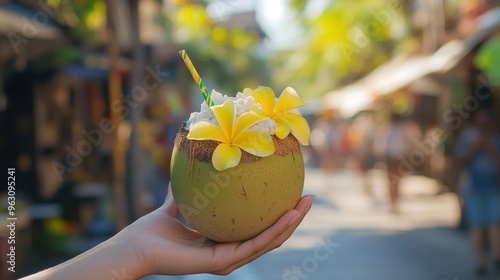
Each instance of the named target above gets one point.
<point>225,53</point>
<point>341,44</point>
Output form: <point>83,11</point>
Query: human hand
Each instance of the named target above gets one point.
<point>159,244</point>
<point>163,245</point>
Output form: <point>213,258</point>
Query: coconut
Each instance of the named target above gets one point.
<point>238,203</point>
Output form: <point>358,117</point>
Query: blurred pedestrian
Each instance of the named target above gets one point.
<point>365,126</point>
<point>478,150</point>
<point>322,140</point>
<point>393,143</point>
<point>341,143</point>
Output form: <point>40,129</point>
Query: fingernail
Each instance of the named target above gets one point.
<point>310,196</point>
<point>294,218</point>
<point>312,200</point>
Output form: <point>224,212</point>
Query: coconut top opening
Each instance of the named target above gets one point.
<point>242,103</point>
<point>248,122</point>
<point>203,150</point>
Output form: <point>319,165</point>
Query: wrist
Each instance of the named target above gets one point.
<point>128,258</point>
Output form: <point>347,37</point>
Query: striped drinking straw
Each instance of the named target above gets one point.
<point>196,77</point>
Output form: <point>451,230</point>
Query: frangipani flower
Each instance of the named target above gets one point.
<point>233,135</point>
<point>279,111</point>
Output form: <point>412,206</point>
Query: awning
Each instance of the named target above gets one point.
<point>16,19</point>
<point>401,71</point>
<point>29,31</point>
<point>348,100</point>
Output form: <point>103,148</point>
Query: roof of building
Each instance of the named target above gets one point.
<point>401,71</point>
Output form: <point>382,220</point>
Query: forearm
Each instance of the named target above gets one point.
<point>109,260</point>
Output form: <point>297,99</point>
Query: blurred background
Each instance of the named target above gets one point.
<point>93,92</point>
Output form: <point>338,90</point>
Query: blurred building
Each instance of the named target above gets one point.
<point>246,20</point>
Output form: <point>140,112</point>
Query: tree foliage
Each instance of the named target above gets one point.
<point>342,43</point>
<point>86,19</point>
<point>224,54</point>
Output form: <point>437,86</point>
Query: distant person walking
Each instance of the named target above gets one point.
<point>478,150</point>
<point>365,126</point>
<point>322,141</point>
<point>392,143</point>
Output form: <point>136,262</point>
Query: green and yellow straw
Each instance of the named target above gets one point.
<point>196,77</point>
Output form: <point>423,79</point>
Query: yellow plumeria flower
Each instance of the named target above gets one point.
<point>233,135</point>
<point>279,111</point>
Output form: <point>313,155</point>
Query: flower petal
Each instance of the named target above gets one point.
<point>282,128</point>
<point>225,115</point>
<point>299,127</point>
<point>264,96</point>
<point>288,100</point>
<point>257,143</point>
<point>226,156</point>
<point>206,131</point>
<point>245,121</point>
<point>257,109</point>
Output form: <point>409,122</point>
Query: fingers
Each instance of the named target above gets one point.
<point>170,206</point>
<point>302,207</point>
<point>273,237</point>
<point>278,234</point>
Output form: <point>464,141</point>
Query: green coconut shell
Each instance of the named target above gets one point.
<point>238,203</point>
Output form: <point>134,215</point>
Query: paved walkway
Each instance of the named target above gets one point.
<point>350,235</point>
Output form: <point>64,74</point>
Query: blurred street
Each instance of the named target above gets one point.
<point>368,242</point>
